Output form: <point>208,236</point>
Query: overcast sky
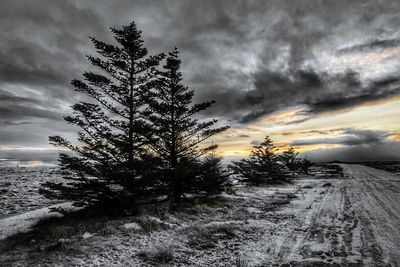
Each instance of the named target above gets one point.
<point>321,75</point>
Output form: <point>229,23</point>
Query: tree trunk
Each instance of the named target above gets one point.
<point>130,152</point>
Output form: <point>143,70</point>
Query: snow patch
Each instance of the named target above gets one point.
<point>87,235</point>
<point>24,223</point>
<point>132,226</point>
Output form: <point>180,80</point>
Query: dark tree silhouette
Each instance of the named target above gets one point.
<point>109,164</point>
<point>176,134</point>
<point>213,178</point>
<point>293,163</point>
<point>290,160</point>
<point>261,167</point>
<point>304,165</point>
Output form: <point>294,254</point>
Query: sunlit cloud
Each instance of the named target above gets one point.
<point>370,64</point>
<point>382,116</point>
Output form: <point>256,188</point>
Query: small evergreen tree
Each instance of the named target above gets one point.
<point>213,178</point>
<point>175,135</point>
<point>304,165</point>
<point>293,163</point>
<point>290,160</point>
<point>110,162</point>
<point>261,167</point>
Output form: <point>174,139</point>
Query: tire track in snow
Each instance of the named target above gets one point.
<point>380,214</point>
<point>354,222</point>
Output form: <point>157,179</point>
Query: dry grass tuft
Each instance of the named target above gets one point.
<point>206,237</point>
<point>160,254</point>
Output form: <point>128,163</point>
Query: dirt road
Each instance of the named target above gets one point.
<point>373,196</point>
<point>350,221</point>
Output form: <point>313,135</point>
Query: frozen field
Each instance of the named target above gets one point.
<point>19,188</point>
<point>331,219</point>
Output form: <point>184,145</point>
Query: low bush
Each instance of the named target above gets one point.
<point>261,167</point>
<point>160,254</point>
<point>240,262</point>
<point>208,236</point>
<point>151,224</point>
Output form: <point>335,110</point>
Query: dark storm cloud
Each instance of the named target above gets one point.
<point>350,137</point>
<point>356,145</point>
<point>42,41</point>
<point>378,151</point>
<point>252,57</point>
<point>294,29</point>
<point>14,107</point>
<point>318,92</point>
<point>42,48</point>
<point>22,112</point>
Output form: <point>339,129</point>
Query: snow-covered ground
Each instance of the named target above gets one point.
<point>352,221</point>
<point>26,221</point>
<point>349,219</point>
<point>19,189</point>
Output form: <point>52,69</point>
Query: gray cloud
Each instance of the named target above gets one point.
<point>374,152</point>
<point>17,155</point>
<point>42,42</point>
<point>255,142</point>
<point>370,46</point>
<point>318,92</point>
<point>14,107</point>
<point>14,123</point>
<point>253,57</point>
<point>357,145</point>
<point>350,137</point>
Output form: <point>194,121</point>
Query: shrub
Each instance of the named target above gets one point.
<point>240,262</point>
<point>160,254</point>
<point>207,236</point>
<point>304,165</point>
<point>262,166</point>
<point>289,159</point>
<point>151,224</point>
<point>213,178</point>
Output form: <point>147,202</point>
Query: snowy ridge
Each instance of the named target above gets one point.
<point>23,223</point>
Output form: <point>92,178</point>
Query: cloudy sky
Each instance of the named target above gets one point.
<point>320,75</point>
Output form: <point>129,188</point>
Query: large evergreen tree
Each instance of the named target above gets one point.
<point>109,163</point>
<point>176,134</point>
<point>261,167</point>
